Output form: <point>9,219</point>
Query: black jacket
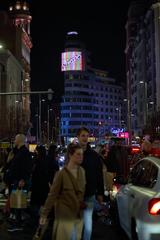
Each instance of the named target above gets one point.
<point>117,160</point>
<point>94,176</point>
<point>21,165</point>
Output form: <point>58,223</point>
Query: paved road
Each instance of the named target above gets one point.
<point>100,232</point>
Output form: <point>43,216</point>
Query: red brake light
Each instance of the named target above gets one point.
<point>154,206</point>
<point>155,152</point>
<point>135,150</point>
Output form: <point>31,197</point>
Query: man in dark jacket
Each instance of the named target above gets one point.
<point>20,172</point>
<point>94,180</point>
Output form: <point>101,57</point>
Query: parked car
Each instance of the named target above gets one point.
<point>138,201</point>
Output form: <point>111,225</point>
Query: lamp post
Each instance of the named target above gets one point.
<point>37,127</point>
<point>145,101</point>
<point>118,109</point>
<point>40,132</point>
<point>16,115</point>
<point>129,129</point>
<point>48,123</point>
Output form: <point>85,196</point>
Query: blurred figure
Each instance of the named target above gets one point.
<point>53,166</point>
<point>7,167</point>
<point>103,150</point>
<point>117,160</point>
<point>94,180</point>
<point>19,175</point>
<point>66,195</point>
<point>39,180</point>
<point>146,146</point>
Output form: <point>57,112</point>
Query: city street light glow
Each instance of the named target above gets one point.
<point>141,82</point>
<point>1,46</point>
<point>151,103</point>
<point>72,33</point>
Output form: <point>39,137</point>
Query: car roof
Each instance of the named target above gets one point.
<point>155,160</point>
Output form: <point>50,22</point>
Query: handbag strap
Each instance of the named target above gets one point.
<point>72,181</point>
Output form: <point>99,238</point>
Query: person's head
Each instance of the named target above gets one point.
<point>40,152</point>
<point>83,134</point>
<point>19,140</point>
<point>103,150</point>
<point>52,150</point>
<point>74,154</point>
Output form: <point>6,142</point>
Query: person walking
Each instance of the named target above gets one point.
<point>66,195</point>
<point>92,165</point>
<point>53,166</point>
<point>39,180</point>
<point>20,173</point>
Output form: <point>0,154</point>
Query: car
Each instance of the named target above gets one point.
<point>138,201</point>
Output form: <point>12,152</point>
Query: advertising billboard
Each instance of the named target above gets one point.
<point>71,61</point>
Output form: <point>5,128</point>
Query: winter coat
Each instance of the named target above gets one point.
<point>21,166</point>
<point>92,165</point>
<point>65,195</point>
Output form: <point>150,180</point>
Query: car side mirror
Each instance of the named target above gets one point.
<point>120,180</point>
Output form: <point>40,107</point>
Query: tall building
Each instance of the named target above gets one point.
<point>143,63</point>
<point>15,49</point>
<point>91,98</point>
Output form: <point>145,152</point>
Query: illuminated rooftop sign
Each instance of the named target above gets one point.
<point>72,61</point>
<point>72,33</point>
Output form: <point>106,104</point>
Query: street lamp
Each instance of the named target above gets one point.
<point>1,46</point>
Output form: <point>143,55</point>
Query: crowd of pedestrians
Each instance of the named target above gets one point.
<point>69,194</point>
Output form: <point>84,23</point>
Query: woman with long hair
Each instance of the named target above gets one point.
<point>66,195</point>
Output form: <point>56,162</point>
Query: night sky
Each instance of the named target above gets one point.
<point>101,26</point>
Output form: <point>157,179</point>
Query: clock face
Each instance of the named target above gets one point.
<point>71,61</point>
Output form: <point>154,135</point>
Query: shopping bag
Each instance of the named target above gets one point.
<point>40,231</point>
<point>18,199</point>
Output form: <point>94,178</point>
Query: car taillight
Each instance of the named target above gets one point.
<point>154,206</point>
<point>135,150</point>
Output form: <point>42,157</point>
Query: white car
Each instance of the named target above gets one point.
<point>138,201</point>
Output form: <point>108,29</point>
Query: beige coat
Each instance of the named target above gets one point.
<point>65,195</point>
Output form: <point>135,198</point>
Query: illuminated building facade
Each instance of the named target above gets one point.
<point>16,42</point>
<point>143,58</point>
<point>91,98</point>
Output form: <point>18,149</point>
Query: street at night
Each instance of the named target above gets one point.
<point>80,120</point>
